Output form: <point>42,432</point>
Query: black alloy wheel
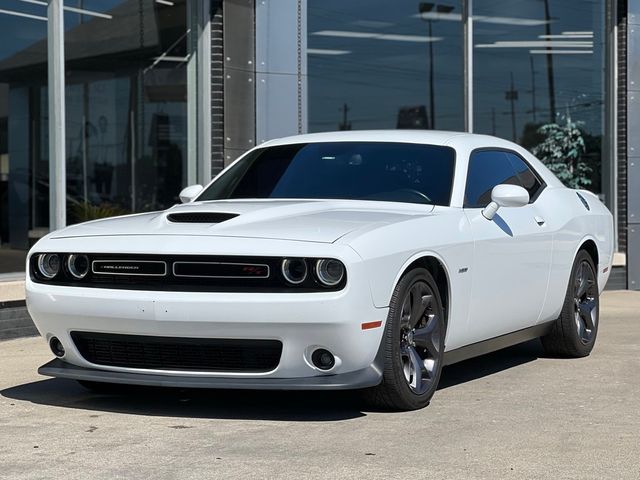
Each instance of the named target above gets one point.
<point>413,345</point>
<point>574,333</point>
<point>585,301</point>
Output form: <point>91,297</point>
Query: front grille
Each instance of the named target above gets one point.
<point>173,353</point>
<point>183,273</point>
<point>200,217</point>
<point>220,270</point>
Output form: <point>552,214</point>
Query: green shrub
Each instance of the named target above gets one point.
<point>562,151</point>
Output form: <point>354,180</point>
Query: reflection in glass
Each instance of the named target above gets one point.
<point>126,97</point>
<point>538,80</point>
<point>374,64</point>
<point>24,165</point>
<point>382,171</point>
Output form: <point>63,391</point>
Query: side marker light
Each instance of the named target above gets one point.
<point>370,325</point>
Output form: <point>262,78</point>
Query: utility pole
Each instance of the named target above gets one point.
<point>493,121</point>
<point>345,124</point>
<point>512,95</point>
<point>533,89</point>
<point>428,9</point>
<point>432,107</point>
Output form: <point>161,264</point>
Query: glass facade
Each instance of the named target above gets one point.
<point>126,106</point>
<point>24,163</point>
<point>539,77</point>
<point>538,73</point>
<point>372,65</point>
<point>126,95</point>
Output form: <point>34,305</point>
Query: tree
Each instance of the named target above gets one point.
<point>562,151</point>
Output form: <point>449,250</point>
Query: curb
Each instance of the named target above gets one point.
<point>15,321</point>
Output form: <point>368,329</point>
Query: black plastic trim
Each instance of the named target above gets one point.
<point>496,343</point>
<point>178,353</point>
<point>584,201</point>
<point>274,282</point>
<point>200,217</point>
<point>368,377</point>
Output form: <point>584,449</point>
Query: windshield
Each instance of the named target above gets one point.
<point>396,172</point>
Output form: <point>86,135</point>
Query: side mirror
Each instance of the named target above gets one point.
<point>189,193</point>
<point>505,196</point>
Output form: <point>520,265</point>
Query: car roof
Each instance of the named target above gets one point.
<point>431,137</point>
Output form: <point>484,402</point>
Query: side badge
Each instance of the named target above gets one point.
<point>463,270</point>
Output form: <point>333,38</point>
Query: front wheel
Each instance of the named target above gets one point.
<point>413,345</point>
<point>574,332</point>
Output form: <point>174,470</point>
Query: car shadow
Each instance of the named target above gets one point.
<point>491,363</point>
<point>309,406</point>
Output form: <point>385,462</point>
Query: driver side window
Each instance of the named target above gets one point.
<point>488,168</point>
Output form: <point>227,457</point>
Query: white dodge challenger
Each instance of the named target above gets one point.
<point>351,260</point>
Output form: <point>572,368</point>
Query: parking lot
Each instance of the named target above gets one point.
<point>511,414</point>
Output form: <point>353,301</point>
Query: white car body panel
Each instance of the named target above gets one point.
<point>503,275</point>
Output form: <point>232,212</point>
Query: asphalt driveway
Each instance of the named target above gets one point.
<point>512,414</point>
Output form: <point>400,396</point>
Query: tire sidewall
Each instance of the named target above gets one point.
<point>393,367</point>
<point>567,317</point>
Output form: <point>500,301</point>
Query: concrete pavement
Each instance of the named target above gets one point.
<point>512,414</point>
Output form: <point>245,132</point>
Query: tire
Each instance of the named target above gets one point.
<point>411,342</point>
<point>574,333</point>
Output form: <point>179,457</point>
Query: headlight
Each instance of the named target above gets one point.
<point>329,271</point>
<point>294,270</point>
<point>78,265</point>
<point>49,265</point>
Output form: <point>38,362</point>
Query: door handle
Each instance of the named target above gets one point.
<point>539,220</point>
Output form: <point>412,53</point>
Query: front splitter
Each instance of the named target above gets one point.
<point>368,377</point>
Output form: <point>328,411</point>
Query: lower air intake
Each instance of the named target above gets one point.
<point>176,353</point>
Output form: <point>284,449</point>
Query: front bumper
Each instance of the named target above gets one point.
<point>301,321</point>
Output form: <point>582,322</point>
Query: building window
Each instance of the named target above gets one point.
<point>539,81</point>
<point>24,162</point>
<point>377,64</point>
<point>126,106</point>
<point>538,74</point>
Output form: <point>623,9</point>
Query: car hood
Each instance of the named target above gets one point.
<point>322,221</point>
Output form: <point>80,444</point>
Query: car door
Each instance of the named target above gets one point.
<point>512,252</point>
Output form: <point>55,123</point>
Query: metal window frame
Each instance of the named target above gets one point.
<point>610,112</point>
<point>57,115</point>
<point>467,58</point>
<point>633,146</point>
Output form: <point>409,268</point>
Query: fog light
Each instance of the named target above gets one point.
<point>78,265</point>
<point>323,359</point>
<point>49,265</point>
<point>56,347</point>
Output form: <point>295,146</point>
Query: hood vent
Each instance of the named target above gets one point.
<point>200,217</point>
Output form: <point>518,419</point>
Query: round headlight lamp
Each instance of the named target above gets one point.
<point>78,265</point>
<point>294,270</point>
<point>330,272</point>
<point>48,265</point>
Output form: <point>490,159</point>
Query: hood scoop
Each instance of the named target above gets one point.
<point>200,217</point>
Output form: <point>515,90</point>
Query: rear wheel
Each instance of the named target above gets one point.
<point>574,332</point>
<point>413,344</point>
